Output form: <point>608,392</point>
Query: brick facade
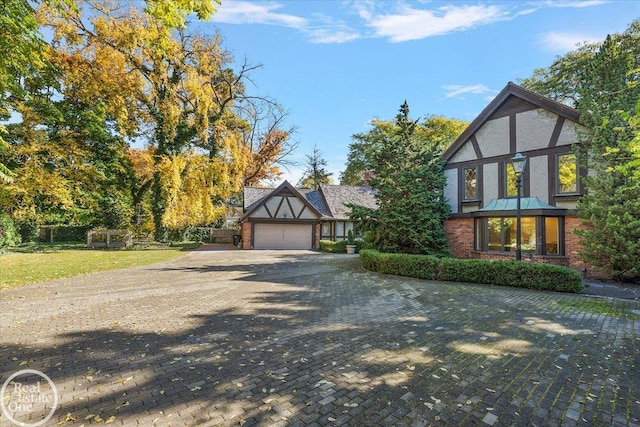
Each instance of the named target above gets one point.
<point>459,232</point>
<point>571,243</point>
<point>245,231</point>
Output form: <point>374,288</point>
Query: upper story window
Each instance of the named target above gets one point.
<point>470,183</point>
<point>567,174</point>
<point>510,181</point>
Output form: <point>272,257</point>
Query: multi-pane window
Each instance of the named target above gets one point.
<point>551,235</point>
<point>336,231</point>
<point>326,231</point>
<point>503,234</point>
<point>470,183</point>
<point>567,174</point>
<point>510,181</point>
<point>540,235</point>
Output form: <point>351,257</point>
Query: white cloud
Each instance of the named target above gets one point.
<point>409,23</point>
<point>325,29</point>
<point>247,12</point>
<point>575,3</point>
<point>560,43</point>
<point>397,21</point>
<point>329,35</point>
<point>458,90</point>
<point>319,28</point>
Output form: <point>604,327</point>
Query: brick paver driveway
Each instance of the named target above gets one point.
<point>300,338</point>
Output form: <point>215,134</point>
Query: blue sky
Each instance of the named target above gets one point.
<point>335,65</point>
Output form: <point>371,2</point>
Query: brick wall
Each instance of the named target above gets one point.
<point>459,233</point>
<point>571,243</point>
<point>245,231</point>
<point>558,260</point>
<point>572,246</point>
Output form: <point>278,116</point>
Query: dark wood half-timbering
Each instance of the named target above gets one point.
<point>517,120</point>
<point>290,218</point>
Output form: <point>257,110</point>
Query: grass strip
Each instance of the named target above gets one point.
<point>17,269</point>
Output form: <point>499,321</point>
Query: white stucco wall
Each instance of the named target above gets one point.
<point>491,182</point>
<point>566,204</point>
<point>273,203</point>
<point>466,152</point>
<point>539,173</point>
<point>261,212</point>
<point>568,134</point>
<point>451,189</point>
<point>534,129</point>
<point>493,137</point>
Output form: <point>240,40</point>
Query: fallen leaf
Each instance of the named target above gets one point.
<point>68,418</point>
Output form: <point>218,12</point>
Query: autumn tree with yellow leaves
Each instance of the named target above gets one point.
<point>152,80</point>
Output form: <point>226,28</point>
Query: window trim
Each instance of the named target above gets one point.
<point>505,182</point>
<point>557,175</point>
<point>464,184</point>
<point>481,234</point>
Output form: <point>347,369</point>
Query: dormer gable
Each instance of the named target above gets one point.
<point>283,203</point>
<point>493,133</point>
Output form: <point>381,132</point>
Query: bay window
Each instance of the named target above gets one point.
<point>540,235</point>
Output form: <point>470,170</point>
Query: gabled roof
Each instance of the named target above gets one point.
<point>329,201</point>
<point>253,198</point>
<point>511,90</point>
<point>339,196</point>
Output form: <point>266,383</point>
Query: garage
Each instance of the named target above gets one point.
<point>283,236</point>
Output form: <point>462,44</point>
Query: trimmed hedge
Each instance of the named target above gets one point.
<point>520,274</point>
<point>338,247</point>
<point>65,233</point>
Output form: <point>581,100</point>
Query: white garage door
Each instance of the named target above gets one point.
<point>282,236</point>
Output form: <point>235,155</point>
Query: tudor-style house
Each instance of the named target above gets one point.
<point>481,183</point>
<point>291,218</point>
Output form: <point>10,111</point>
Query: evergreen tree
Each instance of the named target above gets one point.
<point>611,208</point>
<point>409,180</point>
<point>433,130</point>
<point>316,172</point>
<point>602,81</point>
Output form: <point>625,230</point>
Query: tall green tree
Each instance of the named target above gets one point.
<point>316,171</point>
<point>603,82</point>
<point>437,130</point>
<point>409,179</point>
<point>21,46</point>
<point>611,208</point>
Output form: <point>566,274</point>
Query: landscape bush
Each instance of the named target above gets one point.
<point>187,234</point>
<point>338,247</point>
<point>521,274</point>
<point>9,234</point>
<point>66,233</point>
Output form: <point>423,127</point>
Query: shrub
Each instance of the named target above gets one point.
<point>187,234</point>
<point>539,276</point>
<point>338,247</point>
<point>29,231</point>
<point>67,233</point>
<point>9,235</point>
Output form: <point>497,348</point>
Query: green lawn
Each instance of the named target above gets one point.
<point>23,267</point>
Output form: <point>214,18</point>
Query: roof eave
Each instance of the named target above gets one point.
<point>510,89</point>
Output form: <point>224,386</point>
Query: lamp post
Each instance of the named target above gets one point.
<point>519,162</point>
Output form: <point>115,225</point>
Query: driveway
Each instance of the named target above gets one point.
<point>306,339</point>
